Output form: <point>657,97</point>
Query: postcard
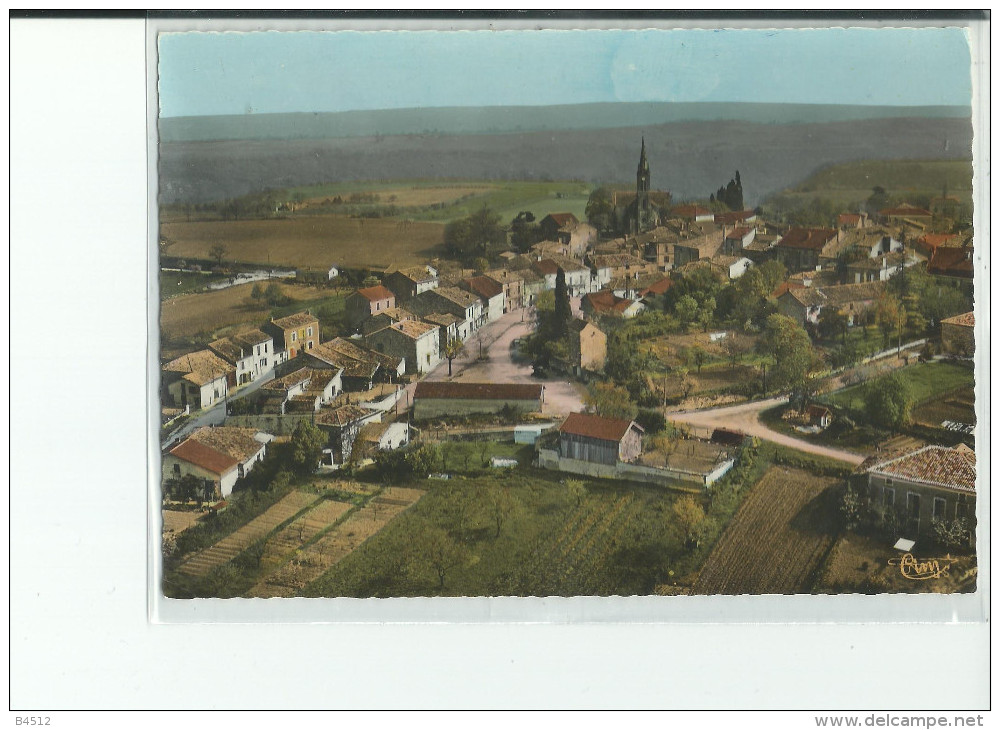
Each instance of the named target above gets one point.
<point>662,312</point>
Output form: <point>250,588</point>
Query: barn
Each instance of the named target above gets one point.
<point>600,440</point>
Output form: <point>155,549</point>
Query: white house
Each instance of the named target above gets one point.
<point>490,293</point>
<point>332,273</point>
<point>218,457</point>
<point>732,266</point>
<point>198,379</point>
<point>250,353</point>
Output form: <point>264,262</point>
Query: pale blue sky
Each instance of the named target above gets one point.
<point>227,73</point>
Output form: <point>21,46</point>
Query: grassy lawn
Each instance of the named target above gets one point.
<point>860,439</point>
<point>926,380</point>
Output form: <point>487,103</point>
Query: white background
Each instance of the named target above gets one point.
<point>80,637</point>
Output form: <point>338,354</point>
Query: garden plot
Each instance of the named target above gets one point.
<point>302,530</point>
<point>232,545</point>
<point>315,559</point>
<point>777,539</point>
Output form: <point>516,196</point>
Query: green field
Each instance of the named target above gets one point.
<point>926,380</point>
<point>173,283</point>
<point>851,183</point>
<point>459,198</point>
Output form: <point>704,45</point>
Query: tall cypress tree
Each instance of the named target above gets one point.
<point>563,311</point>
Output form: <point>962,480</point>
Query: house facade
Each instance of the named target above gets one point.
<point>295,333</point>
<point>800,249</point>
<point>407,283</point>
<point>250,353</point>
<point>218,457</point>
<point>513,288</point>
<point>342,426</point>
<point>490,293</point>
<point>367,302</point>
<point>958,335</point>
<point>418,343</point>
<point>588,346</point>
<point>199,379</point>
<point>934,483</point>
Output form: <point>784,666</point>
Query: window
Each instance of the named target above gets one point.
<point>309,345</point>
<point>309,332</point>
<point>177,470</point>
<point>888,497</point>
<point>939,508</point>
<point>962,510</point>
<point>265,347</point>
<point>888,482</point>
<point>294,336</point>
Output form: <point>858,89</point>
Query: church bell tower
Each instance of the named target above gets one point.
<point>643,214</point>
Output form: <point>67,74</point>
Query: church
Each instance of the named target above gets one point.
<point>640,210</point>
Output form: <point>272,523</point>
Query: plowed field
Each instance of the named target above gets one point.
<point>778,538</point>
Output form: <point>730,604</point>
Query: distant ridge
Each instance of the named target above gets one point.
<point>508,119</point>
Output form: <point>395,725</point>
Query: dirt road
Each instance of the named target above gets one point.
<point>745,418</point>
<point>561,397</point>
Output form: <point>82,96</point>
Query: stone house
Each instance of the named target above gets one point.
<point>802,248</point>
<point>732,267</point>
<point>361,367</point>
<point>218,456</point>
<point>465,306</point>
<point>578,278</point>
<point>738,239</point>
<point>250,353</point>
<point>958,334</point>
<point>432,400</point>
<point>199,379</point>
<point>418,343</point>
<point>606,304</point>
<point>600,440</point>
<point>735,218</point>
<point>513,288</point>
<point>691,212</point>
<point>805,304</point>
<point>342,425</point>
<point>295,333</point>
<point>385,318</point>
<point>407,283</point>
<point>931,483</point>
<point>558,226</point>
<point>906,213</point>
<point>695,244</point>
<point>490,293</point>
<point>588,346</point>
<point>367,302</point>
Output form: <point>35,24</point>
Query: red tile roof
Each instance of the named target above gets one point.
<point>808,238</point>
<point>660,286</point>
<point>596,427</point>
<point>484,286</point>
<point>933,240</point>
<point>546,267</point>
<point>562,219</point>
<point>690,211</point>
<point>376,293</point>
<point>737,216</point>
<point>935,465</point>
<point>849,219</point>
<point>964,320</point>
<point>785,286</point>
<point>605,302</point>
<point>478,391</point>
<point>906,211</point>
<point>738,232</point>
<point>951,261</point>
<point>204,456</point>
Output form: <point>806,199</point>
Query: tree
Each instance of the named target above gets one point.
<point>651,421</point>
<point>501,505</point>
<point>576,490</point>
<point>479,234</point>
<point>563,314</point>
<point>689,516</point>
<point>851,508</point>
<point>307,447</point>
<point>698,356</point>
<point>442,552</point>
<point>832,323</point>
<point>610,401</point>
<point>481,264</point>
<point>600,211</point>
<point>524,231</point>
<point>877,201</point>
<point>736,346</point>
<point>275,295</point>
<point>888,401</point>
<point>788,344</point>
<point>257,293</point>
<point>667,443</point>
<point>452,350</point>
<point>890,316</point>
<point>218,252</point>
<point>686,309</point>
<point>706,313</point>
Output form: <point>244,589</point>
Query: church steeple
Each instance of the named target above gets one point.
<point>643,213</point>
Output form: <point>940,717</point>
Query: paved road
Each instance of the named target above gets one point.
<point>216,414</point>
<point>561,397</point>
<point>745,418</point>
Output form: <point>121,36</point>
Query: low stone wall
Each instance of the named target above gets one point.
<point>271,423</point>
<point>664,476</point>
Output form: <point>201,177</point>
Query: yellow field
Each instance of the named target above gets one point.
<point>412,196</point>
<point>309,241</point>
<point>190,314</point>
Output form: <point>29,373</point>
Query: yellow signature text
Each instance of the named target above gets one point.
<point>924,569</point>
